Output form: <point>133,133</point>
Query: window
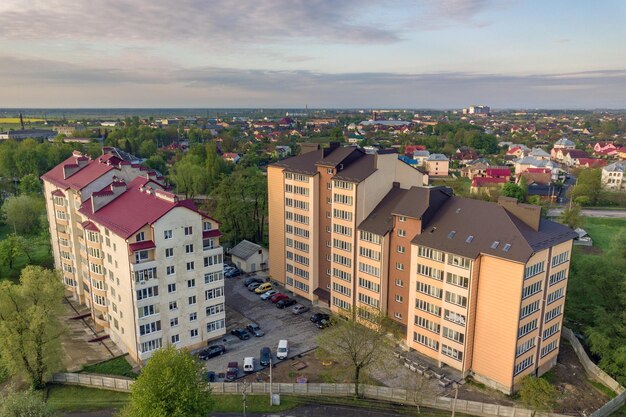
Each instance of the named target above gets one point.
<point>174,322</point>
<point>213,260</point>
<point>397,315</point>
<point>426,341</point>
<point>145,329</point>
<point>214,325</point>
<point>555,295</point>
<point>193,316</point>
<point>428,289</point>
<point>370,301</point>
<point>428,307</point>
<point>551,330</point>
<point>457,280</point>
<point>453,335</point>
<point>526,363</point>
<point>454,317</point>
<point>399,266</point>
<point>150,345</point>
<point>369,269</point>
<point>189,248</point>
<point>427,324</point>
<point>555,312</point>
<point>188,230</point>
<point>451,352</point>
<point>527,328</point>
<point>167,234</point>
<point>169,252</point>
<point>213,293</point>
<point>342,199</point>
<point>338,273</point>
<point>342,289</point>
<point>549,348</point>
<point>399,299</point>
<point>173,305</point>
<point>401,232</point>
<point>429,253</point>
<point>401,249</point>
<point>191,283</point>
<point>399,282</point>
<point>459,261</point>
<point>342,230</point>
<point>141,256</point>
<point>342,260</point>
<point>342,245</point>
<point>191,300</point>
<point>329,171</point>
<point>214,309</point>
<point>525,347</point>
<point>146,311</point>
<point>369,237</point>
<point>175,339</point>
<point>531,289</point>
<point>533,270</point>
<point>190,266</point>
<point>560,258</point>
<point>372,286</point>
<point>342,214</point>
<point>338,302</point>
<point>213,277</point>
<point>343,184</point>
<point>193,333</point>
<point>529,309</point>
<point>170,270</point>
<point>456,299</point>
<point>146,292</point>
<point>402,218</point>
<point>557,277</point>
<point>140,237</point>
<point>430,272</point>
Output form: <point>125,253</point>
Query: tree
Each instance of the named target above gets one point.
<point>588,186</point>
<point>571,216</point>
<point>188,177</point>
<point>362,342</point>
<point>11,248</point>
<point>171,385</point>
<point>537,394</point>
<point>513,190</point>
<point>30,329</point>
<point>24,404</point>
<point>22,213</point>
<point>30,184</point>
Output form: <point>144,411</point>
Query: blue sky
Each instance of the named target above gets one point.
<point>324,53</point>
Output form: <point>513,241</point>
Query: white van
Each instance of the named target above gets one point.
<point>283,349</point>
<point>248,364</point>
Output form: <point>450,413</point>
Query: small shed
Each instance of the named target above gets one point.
<point>583,238</point>
<point>249,257</point>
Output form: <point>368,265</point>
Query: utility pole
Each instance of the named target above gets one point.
<point>271,402</point>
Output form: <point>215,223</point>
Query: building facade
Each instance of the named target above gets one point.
<point>613,176</point>
<point>476,286</point>
<point>148,265</point>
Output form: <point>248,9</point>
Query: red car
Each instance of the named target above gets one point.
<point>277,297</point>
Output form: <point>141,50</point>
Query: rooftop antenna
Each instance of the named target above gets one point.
<point>21,120</point>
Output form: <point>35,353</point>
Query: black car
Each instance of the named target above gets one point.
<point>319,316</point>
<point>287,302</point>
<point>251,280</point>
<point>211,352</point>
<point>242,334</point>
<point>255,329</point>
<point>265,358</point>
<point>324,323</point>
<point>210,376</point>
<point>232,273</point>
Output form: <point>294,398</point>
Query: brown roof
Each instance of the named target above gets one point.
<point>304,163</point>
<point>358,170</point>
<point>380,220</point>
<point>420,201</point>
<point>459,218</point>
<point>338,155</point>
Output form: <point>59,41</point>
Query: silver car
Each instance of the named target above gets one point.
<point>299,309</point>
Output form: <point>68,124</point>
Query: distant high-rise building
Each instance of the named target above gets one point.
<point>484,110</point>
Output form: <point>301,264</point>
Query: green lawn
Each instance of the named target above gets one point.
<point>602,230</point>
<point>40,255</point>
<point>117,366</point>
<point>75,398</point>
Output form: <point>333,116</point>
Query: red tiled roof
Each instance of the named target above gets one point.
<point>132,209</point>
<point>591,162</point>
<point>538,170</point>
<point>81,178</point>
<point>498,172</point>
<point>483,181</point>
<point>211,233</point>
<point>87,225</point>
<point>513,150</point>
<point>58,193</point>
<point>146,244</point>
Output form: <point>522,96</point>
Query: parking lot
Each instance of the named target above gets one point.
<point>244,307</point>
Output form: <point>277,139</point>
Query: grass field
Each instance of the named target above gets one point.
<point>40,255</point>
<point>117,366</point>
<point>603,230</point>
<point>16,120</point>
<point>73,398</point>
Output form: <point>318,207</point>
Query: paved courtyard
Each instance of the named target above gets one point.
<point>244,307</point>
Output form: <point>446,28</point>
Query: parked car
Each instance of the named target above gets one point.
<point>287,302</point>
<point>211,352</point>
<point>232,273</point>
<point>255,329</point>
<point>228,268</point>
<point>324,323</point>
<point>267,295</point>
<point>265,287</point>
<point>254,286</point>
<point>210,376</point>
<point>277,297</point>
<point>265,356</point>
<point>283,349</point>
<point>250,280</point>
<point>319,316</point>
<point>232,371</point>
<point>299,309</point>
<point>248,364</point>
<point>242,334</point>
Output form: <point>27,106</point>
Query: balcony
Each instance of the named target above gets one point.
<point>101,320</point>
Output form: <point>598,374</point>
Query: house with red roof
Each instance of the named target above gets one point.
<point>231,157</point>
<point>147,264</point>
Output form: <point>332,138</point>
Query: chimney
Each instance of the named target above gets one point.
<point>528,213</point>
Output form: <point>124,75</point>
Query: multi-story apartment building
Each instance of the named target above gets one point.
<point>148,265</point>
<point>477,286</point>
<point>613,176</point>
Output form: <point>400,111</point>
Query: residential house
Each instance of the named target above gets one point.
<point>613,176</point>
<point>231,157</point>
<point>437,165</point>
<point>539,153</point>
<point>249,257</point>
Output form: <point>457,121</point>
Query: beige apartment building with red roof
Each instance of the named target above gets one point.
<point>476,286</point>
<point>148,265</point>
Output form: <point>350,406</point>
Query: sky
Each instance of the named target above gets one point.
<point>315,53</point>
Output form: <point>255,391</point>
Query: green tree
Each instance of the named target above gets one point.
<point>24,404</point>
<point>11,248</point>
<point>513,190</point>
<point>537,394</point>
<point>30,329</point>
<point>588,186</point>
<point>171,385</point>
<point>571,216</point>
<point>188,177</point>
<point>22,213</point>
<point>30,184</point>
<point>361,342</point>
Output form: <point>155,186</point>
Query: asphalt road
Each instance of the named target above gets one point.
<point>609,214</point>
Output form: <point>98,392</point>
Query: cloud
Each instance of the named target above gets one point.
<point>208,22</point>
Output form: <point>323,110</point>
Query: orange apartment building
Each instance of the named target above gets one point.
<point>477,286</point>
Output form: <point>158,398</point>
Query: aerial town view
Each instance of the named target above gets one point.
<point>323,208</point>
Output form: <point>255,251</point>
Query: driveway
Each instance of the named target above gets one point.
<point>244,307</point>
<point>608,214</point>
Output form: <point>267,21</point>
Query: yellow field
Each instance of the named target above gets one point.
<point>10,120</point>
